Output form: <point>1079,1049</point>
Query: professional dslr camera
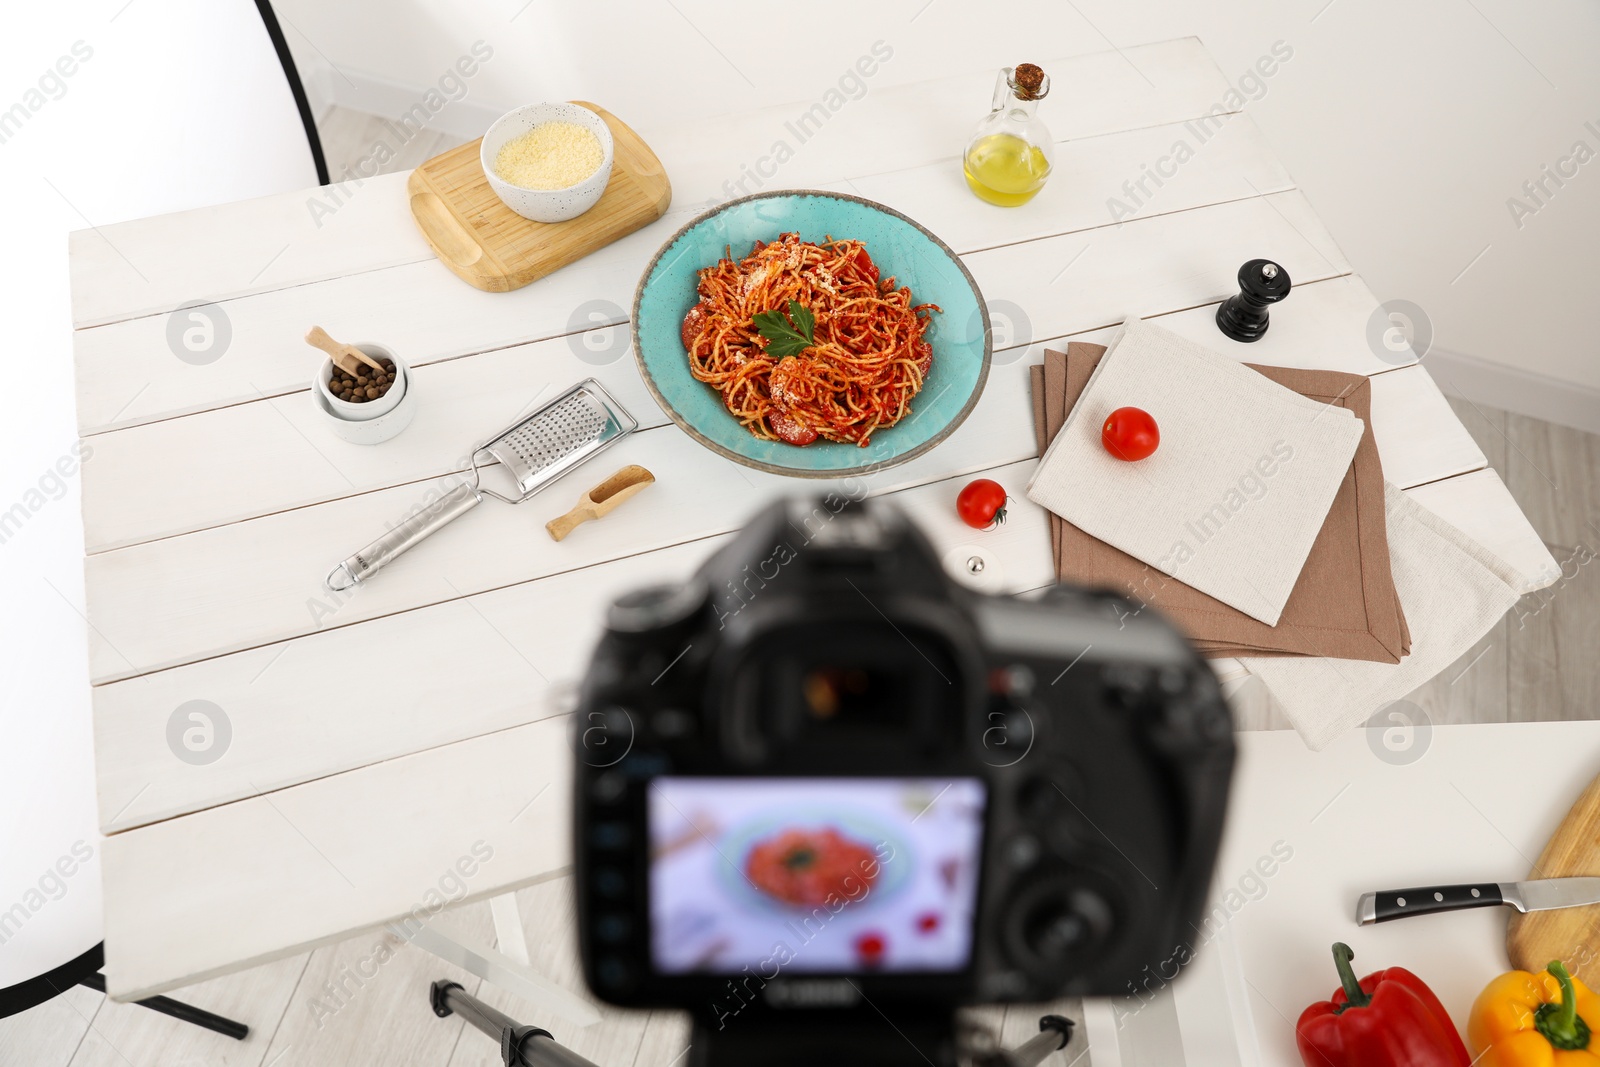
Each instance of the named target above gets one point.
<point>820,784</point>
<point>824,796</point>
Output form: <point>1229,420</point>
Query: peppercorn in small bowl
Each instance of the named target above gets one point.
<point>548,162</point>
<point>367,393</point>
<point>355,415</point>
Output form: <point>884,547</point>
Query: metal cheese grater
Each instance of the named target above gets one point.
<point>536,451</point>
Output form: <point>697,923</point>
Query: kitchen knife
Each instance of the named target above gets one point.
<point>1542,894</point>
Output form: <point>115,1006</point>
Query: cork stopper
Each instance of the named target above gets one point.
<point>1029,80</point>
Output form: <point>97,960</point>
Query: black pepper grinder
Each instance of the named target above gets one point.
<point>1262,283</point>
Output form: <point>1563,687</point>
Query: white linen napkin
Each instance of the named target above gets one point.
<point>1452,590</point>
<point>1239,487</point>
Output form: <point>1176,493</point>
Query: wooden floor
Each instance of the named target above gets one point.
<point>1540,662</point>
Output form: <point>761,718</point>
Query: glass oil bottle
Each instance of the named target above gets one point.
<point>1009,156</point>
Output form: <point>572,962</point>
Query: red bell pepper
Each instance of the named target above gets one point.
<point>1388,1019</point>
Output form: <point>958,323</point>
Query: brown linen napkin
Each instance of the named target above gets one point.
<point>1343,605</point>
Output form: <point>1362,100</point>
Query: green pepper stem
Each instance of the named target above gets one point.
<point>1561,1026</point>
<point>1354,995</point>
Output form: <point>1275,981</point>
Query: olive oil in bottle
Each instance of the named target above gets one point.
<point>1004,169</point>
<point>1008,158</point>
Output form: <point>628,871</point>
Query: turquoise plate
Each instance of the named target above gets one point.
<point>900,247</point>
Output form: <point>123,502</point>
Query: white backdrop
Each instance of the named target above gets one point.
<point>108,111</point>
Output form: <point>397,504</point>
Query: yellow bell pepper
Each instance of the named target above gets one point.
<point>1549,1019</point>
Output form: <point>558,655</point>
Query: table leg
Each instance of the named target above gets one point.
<point>177,1009</point>
<point>508,932</point>
<point>505,972</point>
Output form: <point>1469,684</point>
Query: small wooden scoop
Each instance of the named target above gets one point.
<point>601,499</point>
<point>345,357</point>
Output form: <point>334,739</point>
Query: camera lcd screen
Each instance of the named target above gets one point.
<point>818,875</point>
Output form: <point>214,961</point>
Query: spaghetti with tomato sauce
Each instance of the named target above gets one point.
<point>863,360</point>
<point>806,868</point>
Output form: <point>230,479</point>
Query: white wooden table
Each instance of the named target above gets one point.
<point>374,740</point>
<point>1309,833</point>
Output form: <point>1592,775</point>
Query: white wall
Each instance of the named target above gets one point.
<point>103,125</point>
<point>1409,124</point>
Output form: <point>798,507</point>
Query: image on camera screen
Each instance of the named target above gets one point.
<point>820,875</point>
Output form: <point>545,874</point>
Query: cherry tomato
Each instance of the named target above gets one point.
<point>982,504</point>
<point>1130,434</point>
<point>870,948</point>
<point>865,265</point>
<point>788,428</point>
<point>693,323</point>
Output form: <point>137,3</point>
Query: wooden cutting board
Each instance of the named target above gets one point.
<point>489,246</point>
<point>1571,935</point>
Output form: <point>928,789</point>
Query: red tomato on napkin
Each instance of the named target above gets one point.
<point>1130,434</point>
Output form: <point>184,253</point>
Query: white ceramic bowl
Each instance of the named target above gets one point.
<point>372,409</point>
<point>370,431</point>
<point>547,205</point>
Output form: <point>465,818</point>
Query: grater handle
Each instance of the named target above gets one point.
<point>431,519</point>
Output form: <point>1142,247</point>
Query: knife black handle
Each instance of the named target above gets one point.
<point>1389,904</point>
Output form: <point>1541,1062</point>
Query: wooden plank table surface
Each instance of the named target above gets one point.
<point>1312,831</point>
<point>375,737</point>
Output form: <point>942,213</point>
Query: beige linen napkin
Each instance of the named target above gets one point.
<point>1344,603</point>
<point>1232,501</point>
<point>1452,590</point>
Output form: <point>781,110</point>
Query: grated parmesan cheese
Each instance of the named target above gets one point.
<point>552,155</point>
<point>756,278</point>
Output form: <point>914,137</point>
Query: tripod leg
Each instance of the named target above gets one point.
<point>520,1046</point>
<point>1054,1033</point>
<point>179,1010</point>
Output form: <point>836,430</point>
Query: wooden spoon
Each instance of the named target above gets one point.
<point>599,501</point>
<point>345,357</point>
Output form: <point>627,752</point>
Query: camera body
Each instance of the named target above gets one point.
<point>820,773</point>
